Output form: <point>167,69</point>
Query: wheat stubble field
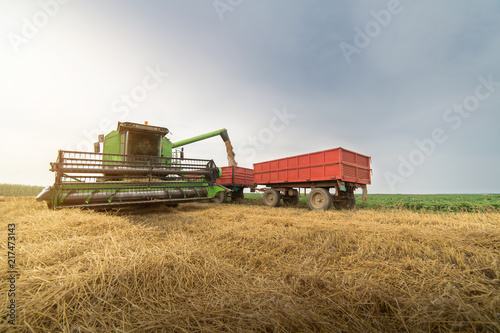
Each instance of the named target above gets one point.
<point>248,268</point>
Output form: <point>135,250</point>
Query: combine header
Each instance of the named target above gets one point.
<point>139,165</point>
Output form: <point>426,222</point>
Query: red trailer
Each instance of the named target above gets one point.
<point>236,179</point>
<point>339,169</point>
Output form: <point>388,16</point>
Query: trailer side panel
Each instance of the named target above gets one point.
<point>333,164</point>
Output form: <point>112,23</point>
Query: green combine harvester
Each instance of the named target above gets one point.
<point>139,165</point>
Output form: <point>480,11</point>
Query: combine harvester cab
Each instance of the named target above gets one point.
<point>138,166</point>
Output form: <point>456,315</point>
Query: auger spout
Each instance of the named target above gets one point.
<point>225,137</point>
<point>221,132</point>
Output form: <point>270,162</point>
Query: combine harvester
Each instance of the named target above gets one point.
<point>139,165</point>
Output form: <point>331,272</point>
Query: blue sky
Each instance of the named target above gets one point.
<point>413,84</point>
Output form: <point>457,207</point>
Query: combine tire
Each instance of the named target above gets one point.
<point>291,200</point>
<point>220,197</point>
<point>320,198</point>
<point>272,198</point>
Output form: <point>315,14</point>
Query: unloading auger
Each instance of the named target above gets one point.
<point>139,165</point>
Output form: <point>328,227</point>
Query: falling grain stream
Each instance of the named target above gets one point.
<point>230,154</point>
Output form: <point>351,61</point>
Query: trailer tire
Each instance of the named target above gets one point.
<point>351,203</point>
<point>237,196</point>
<point>344,204</point>
<point>291,200</point>
<point>272,198</point>
<point>220,197</point>
<point>320,198</point>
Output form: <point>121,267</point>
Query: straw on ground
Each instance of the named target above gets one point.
<point>213,268</point>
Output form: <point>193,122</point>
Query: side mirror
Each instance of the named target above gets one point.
<point>100,138</point>
<point>97,147</point>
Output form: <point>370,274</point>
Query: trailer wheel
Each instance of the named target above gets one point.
<point>344,204</point>
<point>291,200</point>
<point>272,198</point>
<point>320,198</point>
<point>351,203</point>
<point>220,197</point>
<point>237,196</point>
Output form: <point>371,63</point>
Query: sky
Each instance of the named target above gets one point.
<point>413,84</point>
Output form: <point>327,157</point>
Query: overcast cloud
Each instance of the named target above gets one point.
<point>418,89</point>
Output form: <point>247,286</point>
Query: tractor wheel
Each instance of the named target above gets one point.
<point>320,198</point>
<point>272,198</point>
<point>220,197</point>
<point>291,200</point>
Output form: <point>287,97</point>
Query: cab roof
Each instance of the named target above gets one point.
<point>127,126</point>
